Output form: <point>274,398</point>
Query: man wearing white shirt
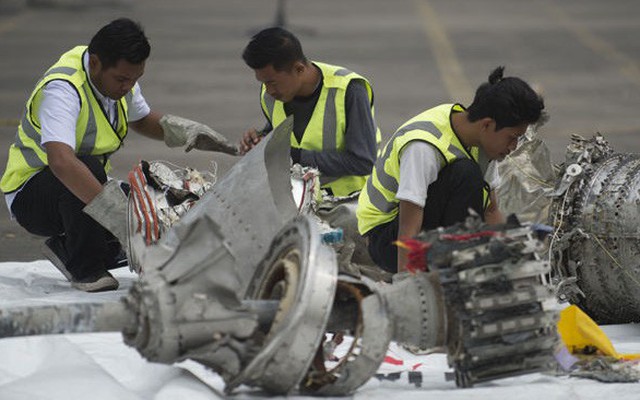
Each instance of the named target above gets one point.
<point>77,116</point>
<point>434,168</point>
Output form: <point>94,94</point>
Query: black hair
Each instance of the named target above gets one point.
<point>121,39</point>
<point>273,46</point>
<point>508,101</point>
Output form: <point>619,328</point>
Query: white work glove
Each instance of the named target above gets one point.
<point>180,131</point>
<point>109,208</point>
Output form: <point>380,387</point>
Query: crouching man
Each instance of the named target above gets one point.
<point>432,170</point>
<point>77,116</point>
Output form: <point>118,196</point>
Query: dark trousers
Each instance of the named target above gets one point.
<point>45,207</point>
<point>458,188</point>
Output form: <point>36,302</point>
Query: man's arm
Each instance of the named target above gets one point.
<point>360,139</point>
<point>72,172</point>
<point>419,162</point>
<point>410,223</point>
<point>58,114</point>
<point>149,126</point>
<point>493,215</point>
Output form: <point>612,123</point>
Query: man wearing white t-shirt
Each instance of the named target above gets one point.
<point>434,167</point>
<point>77,116</point>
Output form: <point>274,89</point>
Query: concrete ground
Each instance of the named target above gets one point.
<point>582,54</point>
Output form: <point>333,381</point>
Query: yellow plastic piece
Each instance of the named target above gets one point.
<point>578,331</point>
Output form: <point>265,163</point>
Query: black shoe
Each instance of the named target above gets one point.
<point>55,251</point>
<point>97,283</point>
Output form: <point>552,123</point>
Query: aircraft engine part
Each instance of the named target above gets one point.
<point>595,249</point>
<point>484,301</point>
<point>415,303</point>
<point>301,274</point>
<point>54,319</point>
<point>187,305</point>
<point>371,330</point>
<point>499,322</point>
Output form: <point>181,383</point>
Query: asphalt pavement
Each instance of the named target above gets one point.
<point>583,55</point>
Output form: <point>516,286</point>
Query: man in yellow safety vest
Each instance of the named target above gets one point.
<point>333,125</point>
<point>433,169</point>
<point>77,116</point>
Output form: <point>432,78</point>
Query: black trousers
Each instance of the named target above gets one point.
<point>45,207</point>
<point>458,188</point>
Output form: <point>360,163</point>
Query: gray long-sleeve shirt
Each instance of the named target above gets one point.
<point>360,150</point>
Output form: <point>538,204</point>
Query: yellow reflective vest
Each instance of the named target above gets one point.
<point>327,125</point>
<point>94,133</point>
<point>377,203</point>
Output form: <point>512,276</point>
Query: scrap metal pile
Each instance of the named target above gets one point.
<point>243,284</point>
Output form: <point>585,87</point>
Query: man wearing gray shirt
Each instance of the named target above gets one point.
<point>334,128</point>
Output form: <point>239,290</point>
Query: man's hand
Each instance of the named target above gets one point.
<point>193,135</point>
<point>249,140</point>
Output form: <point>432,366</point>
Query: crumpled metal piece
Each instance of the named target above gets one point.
<point>607,369</point>
<point>249,204</point>
<point>305,182</point>
<point>160,195</point>
<point>527,178</point>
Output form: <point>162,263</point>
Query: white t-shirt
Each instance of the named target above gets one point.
<point>60,108</point>
<point>419,166</point>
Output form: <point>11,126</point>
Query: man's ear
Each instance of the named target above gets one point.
<point>299,67</point>
<point>487,124</point>
<point>94,62</point>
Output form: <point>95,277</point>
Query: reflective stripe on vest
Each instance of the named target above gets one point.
<point>327,125</point>
<point>378,203</point>
<point>94,133</point>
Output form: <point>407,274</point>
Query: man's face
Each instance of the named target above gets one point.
<point>114,82</point>
<point>497,144</point>
<point>281,85</point>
